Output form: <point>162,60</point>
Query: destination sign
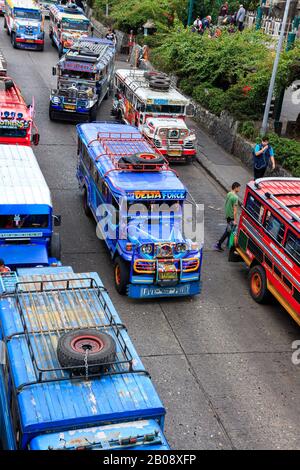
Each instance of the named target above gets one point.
<point>164,195</point>
<point>78,66</point>
<point>14,124</point>
<point>21,235</point>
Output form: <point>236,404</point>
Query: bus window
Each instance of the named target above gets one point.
<point>255,208</point>
<point>292,246</point>
<point>274,227</point>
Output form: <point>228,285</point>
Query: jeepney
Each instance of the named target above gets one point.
<point>171,137</point>
<point>26,214</point>
<point>122,175</point>
<point>84,79</point>
<point>17,124</point>
<point>24,23</point>
<point>72,379</point>
<point>67,23</point>
<point>2,7</point>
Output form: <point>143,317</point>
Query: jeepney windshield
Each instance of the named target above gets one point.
<point>165,109</point>
<point>13,132</point>
<point>154,210</point>
<point>27,14</point>
<point>21,221</point>
<point>75,25</point>
<point>70,74</point>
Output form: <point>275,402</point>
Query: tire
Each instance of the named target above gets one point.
<point>51,113</point>
<point>85,202</point>
<point>258,284</point>
<point>153,75</point>
<point>41,48</point>
<point>13,40</point>
<point>121,275</point>
<point>71,349</point>
<point>138,159</point>
<point>55,246</point>
<point>159,84</point>
<point>5,24</point>
<point>60,51</point>
<point>93,113</point>
<point>234,257</point>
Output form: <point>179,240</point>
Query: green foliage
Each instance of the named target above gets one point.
<point>248,130</point>
<point>287,152</point>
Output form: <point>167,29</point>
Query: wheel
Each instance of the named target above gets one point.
<point>143,158</point>
<point>121,274</point>
<point>41,48</point>
<point>86,206</point>
<point>55,246</point>
<point>5,24</point>
<point>233,256</point>
<point>93,113</point>
<point>74,347</point>
<point>60,51</point>
<point>13,40</point>
<point>258,284</point>
<point>51,113</point>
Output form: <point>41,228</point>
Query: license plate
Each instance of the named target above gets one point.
<point>166,275</point>
<point>30,40</point>
<point>70,106</point>
<point>174,153</point>
<point>165,291</point>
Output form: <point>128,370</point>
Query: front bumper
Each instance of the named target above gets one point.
<point>74,116</point>
<point>25,43</point>
<point>183,155</point>
<point>146,291</point>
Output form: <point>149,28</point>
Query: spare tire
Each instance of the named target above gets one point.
<point>72,347</point>
<point>154,74</point>
<point>159,84</point>
<point>143,158</point>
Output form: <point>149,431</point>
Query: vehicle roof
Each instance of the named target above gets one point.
<point>30,4</point>
<point>122,181</point>
<point>102,52</point>
<point>59,11</point>
<point>136,79</point>
<point>167,122</point>
<point>48,313</point>
<point>286,192</point>
<point>21,179</point>
<point>12,98</point>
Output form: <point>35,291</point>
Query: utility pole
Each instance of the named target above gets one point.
<point>275,68</point>
<point>190,14</point>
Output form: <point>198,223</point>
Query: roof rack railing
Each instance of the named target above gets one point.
<point>283,206</point>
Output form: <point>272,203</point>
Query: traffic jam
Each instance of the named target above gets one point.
<point>72,378</point>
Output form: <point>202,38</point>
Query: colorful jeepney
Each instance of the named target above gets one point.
<point>66,25</point>
<point>25,24</point>
<point>143,95</point>
<point>26,214</point>
<point>139,205</point>
<point>268,240</point>
<point>17,124</point>
<point>72,379</point>
<point>84,79</point>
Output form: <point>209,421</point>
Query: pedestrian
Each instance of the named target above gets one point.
<point>110,35</point>
<point>80,4</point>
<point>240,18</point>
<point>198,24</point>
<point>262,154</point>
<point>206,22</point>
<point>3,269</point>
<point>231,214</point>
<point>224,9</point>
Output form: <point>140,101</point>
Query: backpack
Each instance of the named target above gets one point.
<point>259,162</point>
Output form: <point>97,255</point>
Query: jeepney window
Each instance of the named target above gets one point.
<point>117,208</point>
<point>255,208</point>
<point>104,190</point>
<point>21,221</point>
<point>293,246</point>
<point>275,228</point>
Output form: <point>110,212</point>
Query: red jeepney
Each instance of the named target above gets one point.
<point>268,240</point>
<point>16,118</point>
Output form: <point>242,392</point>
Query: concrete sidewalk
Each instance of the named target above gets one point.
<point>222,166</point>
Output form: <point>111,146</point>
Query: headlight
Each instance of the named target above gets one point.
<point>181,247</point>
<point>147,249</point>
<point>56,100</point>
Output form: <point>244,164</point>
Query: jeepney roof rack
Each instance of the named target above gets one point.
<point>88,51</point>
<point>117,150</point>
<point>49,308</point>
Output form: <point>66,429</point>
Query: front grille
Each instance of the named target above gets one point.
<point>189,145</point>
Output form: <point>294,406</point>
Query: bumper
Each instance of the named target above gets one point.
<point>146,291</point>
<point>184,156</point>
<point>29,43</point>
<point>75,116</point>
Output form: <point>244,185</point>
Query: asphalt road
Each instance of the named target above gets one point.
<point>221,363</point>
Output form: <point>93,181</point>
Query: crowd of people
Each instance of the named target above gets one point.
<point>232,21</point>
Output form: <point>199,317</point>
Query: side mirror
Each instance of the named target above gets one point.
<point>36,139</point>
<point>53,71</point>
<point>57,220</point>
<point>190,110</point>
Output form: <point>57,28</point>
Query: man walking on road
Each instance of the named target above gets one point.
<point>240,17</point>
<point>231,214</point>
<point>262,154</point>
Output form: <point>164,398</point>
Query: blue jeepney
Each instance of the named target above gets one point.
<point>26,213</point>
<point>84,79</point>
<point>138,203</point>
<point>72,379</point>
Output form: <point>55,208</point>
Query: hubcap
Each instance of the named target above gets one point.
<point>256,284</point>
<point>82,344</point>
